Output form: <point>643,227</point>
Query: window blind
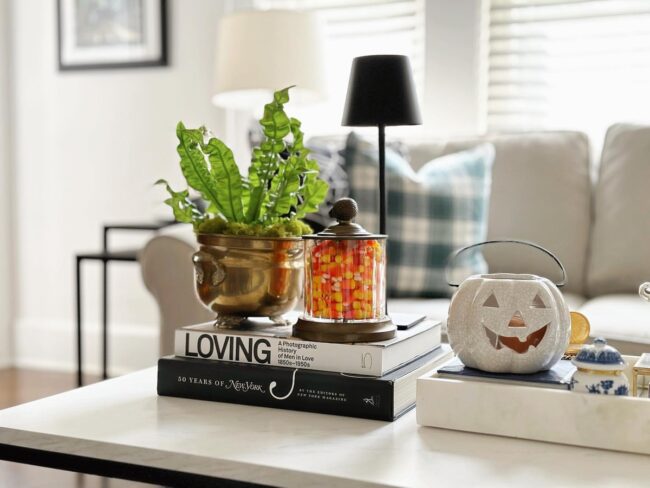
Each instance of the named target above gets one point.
<point>579,64</point>
<point>358,28</point>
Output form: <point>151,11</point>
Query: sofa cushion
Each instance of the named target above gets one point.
<point>619,317</point>
<point>430,213</point>
<point>436,308</point>
<point>620,243</point>
<point>541,192</point>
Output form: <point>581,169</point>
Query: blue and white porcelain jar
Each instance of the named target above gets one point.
<point>600,370</point>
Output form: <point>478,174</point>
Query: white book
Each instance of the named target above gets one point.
<point>264,343</point>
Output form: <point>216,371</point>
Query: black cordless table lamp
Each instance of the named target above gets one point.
<point>381,93</point>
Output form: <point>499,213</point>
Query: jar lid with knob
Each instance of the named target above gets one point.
<point>345,211</point>
<point>599,356</point>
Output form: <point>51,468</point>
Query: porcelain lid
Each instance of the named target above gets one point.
<point>599,356</point>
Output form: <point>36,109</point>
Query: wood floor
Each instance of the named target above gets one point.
<point>19,386</point>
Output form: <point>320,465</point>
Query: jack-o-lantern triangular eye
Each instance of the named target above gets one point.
<point>537,302</point>
<point>491,301</point>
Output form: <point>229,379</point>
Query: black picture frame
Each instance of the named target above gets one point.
<point>160,59</point>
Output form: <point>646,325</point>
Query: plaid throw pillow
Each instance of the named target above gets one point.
<point>432,212</point>
<point>329,152</point>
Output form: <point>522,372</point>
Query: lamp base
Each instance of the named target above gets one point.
<point>309,330</point>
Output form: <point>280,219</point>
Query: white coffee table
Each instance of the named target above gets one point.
<point>121,428</point>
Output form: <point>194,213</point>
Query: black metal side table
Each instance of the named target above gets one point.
<point>105,256</point>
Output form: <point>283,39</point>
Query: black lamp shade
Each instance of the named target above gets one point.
<point>381,92</point>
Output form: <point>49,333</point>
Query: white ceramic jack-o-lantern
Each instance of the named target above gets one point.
<point>508,323</point>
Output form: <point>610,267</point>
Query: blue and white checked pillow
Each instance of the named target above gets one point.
<point>431,213</point>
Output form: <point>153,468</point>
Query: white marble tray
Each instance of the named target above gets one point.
<point>565,417</point>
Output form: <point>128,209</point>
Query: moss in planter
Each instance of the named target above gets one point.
<point>285,228</point>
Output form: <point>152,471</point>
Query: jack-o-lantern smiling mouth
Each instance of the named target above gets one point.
<point>514,343</point>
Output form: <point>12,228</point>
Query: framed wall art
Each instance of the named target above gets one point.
<point>103,34</point>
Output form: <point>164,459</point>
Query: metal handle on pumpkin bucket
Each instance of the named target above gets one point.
<point>455,254</point>
<point>644,291</point>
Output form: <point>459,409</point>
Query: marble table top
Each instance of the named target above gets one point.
<point>123,420</point>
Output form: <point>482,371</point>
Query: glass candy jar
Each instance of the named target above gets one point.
<point>345,282</point>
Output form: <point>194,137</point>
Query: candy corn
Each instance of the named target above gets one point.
<point>345,279</point>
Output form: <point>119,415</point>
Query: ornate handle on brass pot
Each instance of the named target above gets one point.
<point>644,291</point>
<point>206,266</point>
<point>295,253</point>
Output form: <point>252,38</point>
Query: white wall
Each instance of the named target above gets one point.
<point>6,268</point>
<point>451,101</point>
<point>88,146</point>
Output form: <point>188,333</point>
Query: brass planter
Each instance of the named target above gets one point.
<point>239,277</point>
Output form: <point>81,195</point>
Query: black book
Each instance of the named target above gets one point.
<point>558,377</point>
<point>383,398</point>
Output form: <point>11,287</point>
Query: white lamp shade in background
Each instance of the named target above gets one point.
<point>261,51</point>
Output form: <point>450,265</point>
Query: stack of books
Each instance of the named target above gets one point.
<point>264,365</point>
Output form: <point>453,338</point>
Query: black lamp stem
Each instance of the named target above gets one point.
<point>382,180</point>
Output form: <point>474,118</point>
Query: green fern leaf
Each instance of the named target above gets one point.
<point>227,178</point>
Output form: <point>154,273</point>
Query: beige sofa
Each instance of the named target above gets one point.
<point>594,216</point>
